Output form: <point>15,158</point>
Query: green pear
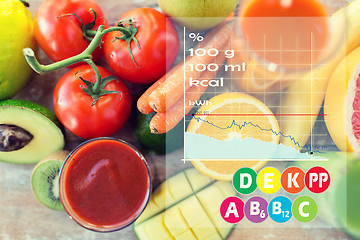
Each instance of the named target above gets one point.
<point>198,14</point>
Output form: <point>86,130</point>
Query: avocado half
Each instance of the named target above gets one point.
<point>38,121</point>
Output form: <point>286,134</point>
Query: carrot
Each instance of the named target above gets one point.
<point>143,102</point>
<point>164,122</point>
<point>171,90</point>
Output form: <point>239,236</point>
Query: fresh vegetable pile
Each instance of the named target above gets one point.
<point>89,100</point>
<point>106,62</point>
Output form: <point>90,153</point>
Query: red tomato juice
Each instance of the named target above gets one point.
<point>292,33</point>
<point>104,184</point>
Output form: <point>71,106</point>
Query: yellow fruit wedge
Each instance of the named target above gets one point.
<point>175,222</point>
<point>156,226</point>
<point>151,210</point>
<point>188,235</point>
<point>192,217</point>
<point>225,109</point>
<point>179,187</point>
<point>205,230</point>
<point>164,197</point>
<point>211,205</point>
<point>196,182</point>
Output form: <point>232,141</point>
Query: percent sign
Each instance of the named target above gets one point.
<point>196,37</point>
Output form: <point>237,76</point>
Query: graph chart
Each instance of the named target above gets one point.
<point>250,124</point>
<point>276,113</point>
<point>236,126</point>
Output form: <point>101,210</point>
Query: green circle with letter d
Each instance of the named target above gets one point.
<point>244,180</point>
<point>304,209</point>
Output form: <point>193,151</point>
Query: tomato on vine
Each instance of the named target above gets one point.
<point>88,100</point>
<point>64,28</point>
<point>75,107</point>
<point>151,55</point>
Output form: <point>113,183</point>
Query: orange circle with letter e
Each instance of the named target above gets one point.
<point>292,180</point>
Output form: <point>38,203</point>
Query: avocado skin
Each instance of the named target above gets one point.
<point>39,121</point>
<point>157,142</point>
<point>31,106</point>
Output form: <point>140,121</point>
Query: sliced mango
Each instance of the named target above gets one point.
<point>197,180</point>
<point>223,228</point>
<point>186,206</point>
<point>179,186</point>
<point>205,230</point>
<point>163,197</point>
<point>174,221</point>
<point>212,205</point>
<point>192,211</point>
<point>188,235</point>
<point>226,188</point>
<point>173,190</point>
<point>156,229</point>
<point>151,210</point>
<point>141,234</point>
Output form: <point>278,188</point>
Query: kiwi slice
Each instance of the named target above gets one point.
<point>45,180</point>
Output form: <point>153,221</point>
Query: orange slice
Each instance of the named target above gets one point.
<point>225,109</point>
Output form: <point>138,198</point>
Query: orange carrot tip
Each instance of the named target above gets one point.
<point>158,123</point>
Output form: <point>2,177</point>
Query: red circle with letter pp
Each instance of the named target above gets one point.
<point>317,179</point>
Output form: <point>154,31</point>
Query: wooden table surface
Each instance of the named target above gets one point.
<point>22,217</point>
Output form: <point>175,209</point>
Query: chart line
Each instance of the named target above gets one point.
<point>234,124</point>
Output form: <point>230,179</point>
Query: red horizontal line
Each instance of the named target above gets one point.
<point>259,114</point>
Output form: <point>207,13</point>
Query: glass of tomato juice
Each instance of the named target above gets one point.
<point>105,184</point>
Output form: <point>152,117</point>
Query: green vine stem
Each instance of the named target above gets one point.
<point>94,90</point>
